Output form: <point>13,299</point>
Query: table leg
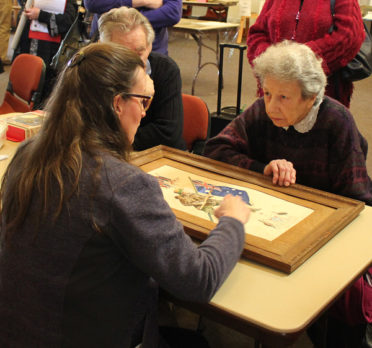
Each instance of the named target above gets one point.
<point>199,40</point>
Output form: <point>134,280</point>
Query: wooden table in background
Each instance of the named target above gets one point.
<point>226,3</point>
<point>9,148</point>
<point>197,29</point>
<point>216,10</point>
<point>244,20</point>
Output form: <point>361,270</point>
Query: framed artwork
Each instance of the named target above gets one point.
<point>287,224</point>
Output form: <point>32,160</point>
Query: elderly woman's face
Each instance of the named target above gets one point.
<point>284,102</point>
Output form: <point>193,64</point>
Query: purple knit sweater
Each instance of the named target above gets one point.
<point>330,157</point>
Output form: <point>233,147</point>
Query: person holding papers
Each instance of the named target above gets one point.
<point>48,21</point>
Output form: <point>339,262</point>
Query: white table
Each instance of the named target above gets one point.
<point>274,307</point>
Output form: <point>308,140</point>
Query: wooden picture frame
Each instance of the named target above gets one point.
<point>330,212</point>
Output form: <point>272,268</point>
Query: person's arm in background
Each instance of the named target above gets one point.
<point>340,47</point>
<point>102,6</point>
<point>160,13</point>
<point>164,122</point>
<point>167,15</point>
<point>57,23</point>
<point>258,39</point>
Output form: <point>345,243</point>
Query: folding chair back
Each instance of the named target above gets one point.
<point>196,123</point>
<point>26,81</point>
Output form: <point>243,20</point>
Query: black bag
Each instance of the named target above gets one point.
<point>223,116</point>
<point>360,67</point>
<point>73,41</point>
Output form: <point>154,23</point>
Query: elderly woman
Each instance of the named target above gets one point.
<point>86,237</point>
<point>295,133</point>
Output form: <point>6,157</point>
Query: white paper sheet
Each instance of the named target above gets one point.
<point>52,6</point>
<point>245,8</point>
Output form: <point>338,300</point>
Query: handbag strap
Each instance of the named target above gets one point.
<point>333,16</point>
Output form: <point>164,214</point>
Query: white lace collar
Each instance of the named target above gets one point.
<point>307,123</point>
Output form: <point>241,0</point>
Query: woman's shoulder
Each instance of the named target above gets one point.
<point>334,114</point>
<point>161,60</point>
<point>163,68</point>
<point>335,119</point>
<point>117,172</point>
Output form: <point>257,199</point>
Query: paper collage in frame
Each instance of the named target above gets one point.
<point>199,196</point>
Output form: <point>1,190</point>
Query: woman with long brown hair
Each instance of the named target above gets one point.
<point>86,237</point>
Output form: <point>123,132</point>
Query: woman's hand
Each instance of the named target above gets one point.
<point>233,206</point>
<point>282,171</point>
<point>32,13</point>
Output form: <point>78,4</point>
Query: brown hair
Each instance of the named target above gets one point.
<point>80,119</point>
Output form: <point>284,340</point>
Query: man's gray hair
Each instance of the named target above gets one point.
<point>289,61</point>
<point>124,19</point>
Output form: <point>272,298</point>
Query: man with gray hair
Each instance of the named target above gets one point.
<point>163,123</point>
<point>160,13</point>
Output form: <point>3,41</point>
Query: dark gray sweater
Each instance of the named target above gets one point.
<point>71,286</point>
<point>163,124</point>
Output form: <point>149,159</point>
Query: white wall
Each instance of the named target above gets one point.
<point>365,2</point>
<point>234,11</point>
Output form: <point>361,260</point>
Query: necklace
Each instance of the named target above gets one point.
<point>297,20</point>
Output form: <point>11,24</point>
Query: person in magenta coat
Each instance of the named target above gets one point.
<point>309,22</point>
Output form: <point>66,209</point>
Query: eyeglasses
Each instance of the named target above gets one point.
<point>145,99</point>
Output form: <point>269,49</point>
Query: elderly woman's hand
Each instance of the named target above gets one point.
<point>234,206</point>
<point>282,171</point>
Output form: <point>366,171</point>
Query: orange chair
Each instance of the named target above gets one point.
<point>26,81</point>
<point>196,123</point>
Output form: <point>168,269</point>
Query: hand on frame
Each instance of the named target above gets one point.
<point>282,171</point>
